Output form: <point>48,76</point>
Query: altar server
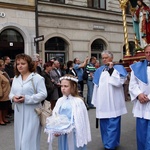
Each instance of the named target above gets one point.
<point>108,98</point>
<point>139,88</point>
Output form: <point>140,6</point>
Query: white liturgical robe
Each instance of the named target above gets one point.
<point>108,95</point>
<point>137,87</point>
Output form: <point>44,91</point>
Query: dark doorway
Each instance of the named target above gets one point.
<point>11,43</point>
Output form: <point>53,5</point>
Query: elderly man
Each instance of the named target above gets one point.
<point>139,88</point>
<point>108,98</point>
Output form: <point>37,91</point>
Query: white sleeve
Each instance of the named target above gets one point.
<point>116,80</point>
<point>94,96</point>
<point>134,88</point>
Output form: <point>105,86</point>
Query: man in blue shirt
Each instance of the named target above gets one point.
<point>78,66</point>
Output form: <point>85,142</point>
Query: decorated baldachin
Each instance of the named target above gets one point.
<point>138,51</point>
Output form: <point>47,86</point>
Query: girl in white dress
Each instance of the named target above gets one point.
<point>74,108</point>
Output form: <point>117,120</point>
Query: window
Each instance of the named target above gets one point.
<point>98,4</point>
<point>102,4</point>
<point>56,44</point>
<point>56,47</point>
<point>97,47</point>
<point>11,35</point>
<point>57,1</point>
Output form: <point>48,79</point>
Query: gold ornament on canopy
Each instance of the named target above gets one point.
<point>123,3</point>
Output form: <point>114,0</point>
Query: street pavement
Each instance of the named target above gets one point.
<point>127,142</point>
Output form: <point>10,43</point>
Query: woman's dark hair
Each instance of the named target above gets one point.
<point>50,63</point>
<point>74,61</point>
<point>69,63</point>
<point>31,65</point>
<point>5,58</point>
<point>92,58</point>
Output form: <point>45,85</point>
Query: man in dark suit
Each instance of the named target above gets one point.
<point>59,74</point>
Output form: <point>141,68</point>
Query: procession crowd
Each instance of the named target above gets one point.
<point>25,84</point>
<point>28,82</point>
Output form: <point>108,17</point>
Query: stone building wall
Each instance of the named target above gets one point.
<point>20,15</point>
<point>80,26</point>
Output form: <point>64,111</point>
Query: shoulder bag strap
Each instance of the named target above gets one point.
<point>33,86</point>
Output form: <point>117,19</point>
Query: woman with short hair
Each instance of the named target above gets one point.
<point>27,91</point>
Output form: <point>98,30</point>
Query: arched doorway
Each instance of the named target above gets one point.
<point>56,47</point>
<point>97,47</point>
<point>11,43</point>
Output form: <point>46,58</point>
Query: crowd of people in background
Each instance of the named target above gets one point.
<point>53,70</point>
<point>27,82</point>
<point>18,82</point>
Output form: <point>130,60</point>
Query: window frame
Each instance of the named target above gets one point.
<point>91,4</point>
<point>57,1</point>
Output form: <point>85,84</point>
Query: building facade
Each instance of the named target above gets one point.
<point>17,27</point>
<point>71,28</point>
<point>80,28</point>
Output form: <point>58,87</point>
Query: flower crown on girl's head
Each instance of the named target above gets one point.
<point>69,78</point>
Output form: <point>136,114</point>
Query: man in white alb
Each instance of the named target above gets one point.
<point>139,88</point>
<point>108,98</point>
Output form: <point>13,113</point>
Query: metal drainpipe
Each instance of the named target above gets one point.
<point>36,25</point>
